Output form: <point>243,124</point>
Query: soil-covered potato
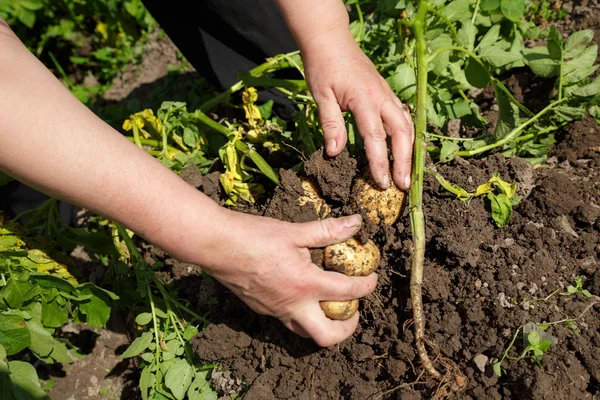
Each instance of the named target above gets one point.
<point>340,310</point>
<point>352,258</point>
<point>376,204</point>
<point>312,196</point>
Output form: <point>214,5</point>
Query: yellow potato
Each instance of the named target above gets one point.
<point>313,197</point>
<point>378,205</point>
<point>340,310</point>
<point>352,258</point>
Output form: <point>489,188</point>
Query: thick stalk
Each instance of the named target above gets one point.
<point>416,192</point>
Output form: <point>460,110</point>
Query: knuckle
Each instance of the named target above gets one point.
<point>331,126</point>
<point>378,133</point>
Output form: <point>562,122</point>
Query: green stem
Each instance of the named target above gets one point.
<point>416,192</point>
<point>156,338</point>
<point>152,143</point>
<point>475,12</point>
<point>166,295</point>
<point>361,21</point>
<point>446,21</point>
<point>513,134</point>
<point>136,133</point>
<point>458,139</point>
<point>273,64</point>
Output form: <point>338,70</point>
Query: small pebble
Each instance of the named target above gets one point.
<point>480,361</point>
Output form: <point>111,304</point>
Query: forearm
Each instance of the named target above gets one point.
<point>52,142</point>
<point>311,21</point>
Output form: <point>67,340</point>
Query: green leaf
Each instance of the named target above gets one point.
<point>97,312</point>
<point>190,137</point>
<point>41,339</point>
<point>588,90</point>
<point>60,354</point>
<point>138,345</point>
<point>3,363</point>
<point>52,315</point>
<point>498,369</point>
<point>200,390</point>
<point>147,380</point>
<point>501,208</point>
<point>14,335</point>
<point>96,289</point>
<point>266,109</point>
<point>189,332</point>
<point>476,74</point>
<point>179,377</point>
<point>456,10</point>
<point>578,74</point>
<point>466,35</point>
<point>440,63</point>
<point>533,338</point>
<point>404,82</point>
<point>143,318</point>
<point>458,109</point>
<point>489,5</point>
<point>490,37</point>
<point>508,113</point>
<point>14,292</point>
<point>26,17</point>
<point>585,59</point>
<point>264,167</point>
<point>25,381</point>
<point>497,57</point>
<point>449,149</point>
<point>32,5</point>
<point>586,293</point>
<point>513,9</point>
<point>577,42</point>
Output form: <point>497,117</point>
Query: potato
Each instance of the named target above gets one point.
<point>352,258</point>
<point>340,310</point>
<point>313,197</point>
<point>375,204</point>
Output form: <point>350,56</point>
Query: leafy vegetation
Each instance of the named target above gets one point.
<point>72,36</point>
<point>537,343</point>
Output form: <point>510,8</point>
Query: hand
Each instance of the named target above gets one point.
<point>341,78</point>
<point>266,263</point>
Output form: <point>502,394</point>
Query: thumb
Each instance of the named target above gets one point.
<point>332,122</point>
<point>327,231</point>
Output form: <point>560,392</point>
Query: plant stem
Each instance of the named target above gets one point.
<point>513,134</point>
<point>273,64</point>
<point>154,322</point>
<point>152,143</point>
<point>446,21</point>
<point>475,12</point>
<point>416,192</point>
<point>136,133</point>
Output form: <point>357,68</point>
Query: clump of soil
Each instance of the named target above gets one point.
<point>334,175</point>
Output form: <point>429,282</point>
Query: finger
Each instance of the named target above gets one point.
<point>370,126</point>
<point>406,112</point>
<point>339,287</point>
<point>332,122</point>
<point>327,231</point>
<point>311,321</point>
<point>401,133</point>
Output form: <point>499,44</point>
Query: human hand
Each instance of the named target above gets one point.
<point>267,264</point>
<point>342,78</point>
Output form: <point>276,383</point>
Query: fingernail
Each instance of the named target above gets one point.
<point>385,181</point>
<point>352,221</point>
<point>332,145</point>
<point>407,181</point>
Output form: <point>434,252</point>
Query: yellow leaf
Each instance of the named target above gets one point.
<point>483,189</point>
